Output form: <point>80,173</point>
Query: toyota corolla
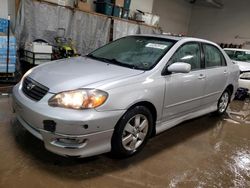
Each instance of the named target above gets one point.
<point>242,58</point>
<point>117,97</point>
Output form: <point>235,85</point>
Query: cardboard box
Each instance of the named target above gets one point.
<point>119,3</point>
<point>84,6</point>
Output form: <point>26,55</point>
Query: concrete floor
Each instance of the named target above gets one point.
<point>205,152</point>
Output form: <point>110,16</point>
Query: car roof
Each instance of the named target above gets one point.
<point>237,49</point>
<point>176,38</point>
<point>171,37</point>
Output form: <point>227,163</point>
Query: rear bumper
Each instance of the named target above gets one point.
<point>244,84</point>
<point>71,136</point>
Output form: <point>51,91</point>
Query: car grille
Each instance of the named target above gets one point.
<point>33,89</point>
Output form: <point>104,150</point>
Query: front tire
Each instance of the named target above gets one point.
<point>132,132</point>
<point>223,102</point>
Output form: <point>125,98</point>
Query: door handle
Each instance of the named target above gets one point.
<point>201,77</point>
<point>225,71</point>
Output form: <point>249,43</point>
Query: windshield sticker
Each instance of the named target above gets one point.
<point>247,52</point>
<point>157,46</point>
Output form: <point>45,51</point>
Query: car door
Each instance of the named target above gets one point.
<point>216,74</point>
<point>184,91</point>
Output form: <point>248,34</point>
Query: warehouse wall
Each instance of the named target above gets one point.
<point>175,15</point>
<point>222,25</point>
<point>12,12</point>
<point>7,7</point>
<point>3,8</point>
<point>146,6</point>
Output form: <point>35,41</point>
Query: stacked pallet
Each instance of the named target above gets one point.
<point>4,48</point>
<point>3,53</point>
<point>3,25</point>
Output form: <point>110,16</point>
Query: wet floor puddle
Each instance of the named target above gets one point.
<point>205,152</point>
<point>229,163</point>
<point>239,112</point>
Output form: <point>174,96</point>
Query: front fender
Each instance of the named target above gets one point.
<point>123,97</point>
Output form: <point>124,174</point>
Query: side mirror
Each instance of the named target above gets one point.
<point>179,67</point>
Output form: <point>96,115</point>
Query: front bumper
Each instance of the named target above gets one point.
<point>79,133</point>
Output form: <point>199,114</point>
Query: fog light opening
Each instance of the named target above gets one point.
<point>71,141</point>
<point>85,126</point>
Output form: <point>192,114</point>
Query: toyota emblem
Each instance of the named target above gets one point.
<point>30,86</point>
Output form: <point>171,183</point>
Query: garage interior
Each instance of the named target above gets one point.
<point>208,151</point>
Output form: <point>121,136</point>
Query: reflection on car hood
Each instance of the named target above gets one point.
<point>80,72</point>
<point>243,66</point>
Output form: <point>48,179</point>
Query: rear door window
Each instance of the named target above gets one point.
<point>213,56</point>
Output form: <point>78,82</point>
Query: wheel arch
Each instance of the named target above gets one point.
<point>150,107</point>
<point>230,88</point>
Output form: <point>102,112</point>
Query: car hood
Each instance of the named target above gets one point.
<point>79,72</point>
<point>243,66</point>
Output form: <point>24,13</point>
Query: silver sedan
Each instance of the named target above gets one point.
<point>117,97</point>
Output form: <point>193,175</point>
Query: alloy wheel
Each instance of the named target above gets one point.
<point>223,102</point>
<point>135,132</point>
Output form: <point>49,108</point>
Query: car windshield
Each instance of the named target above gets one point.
<point>239,55</point>
<point>137,52</point>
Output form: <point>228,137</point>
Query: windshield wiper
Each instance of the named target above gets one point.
<point>98,58</point>
<point>113,62</point>
<point>116,62</point>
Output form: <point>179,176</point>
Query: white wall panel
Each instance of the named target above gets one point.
<point>3,8</point>
<point>222,25</point>
<point>174,15</point>
<point>143,5</point>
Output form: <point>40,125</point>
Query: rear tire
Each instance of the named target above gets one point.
<point>132,132</point>
<point>223,102</point>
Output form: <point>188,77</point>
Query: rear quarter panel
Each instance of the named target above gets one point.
<point>233,73</point>
<point>233,76</point>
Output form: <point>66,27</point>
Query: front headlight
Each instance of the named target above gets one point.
<point>245,76</point>
<point>79,99</point>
